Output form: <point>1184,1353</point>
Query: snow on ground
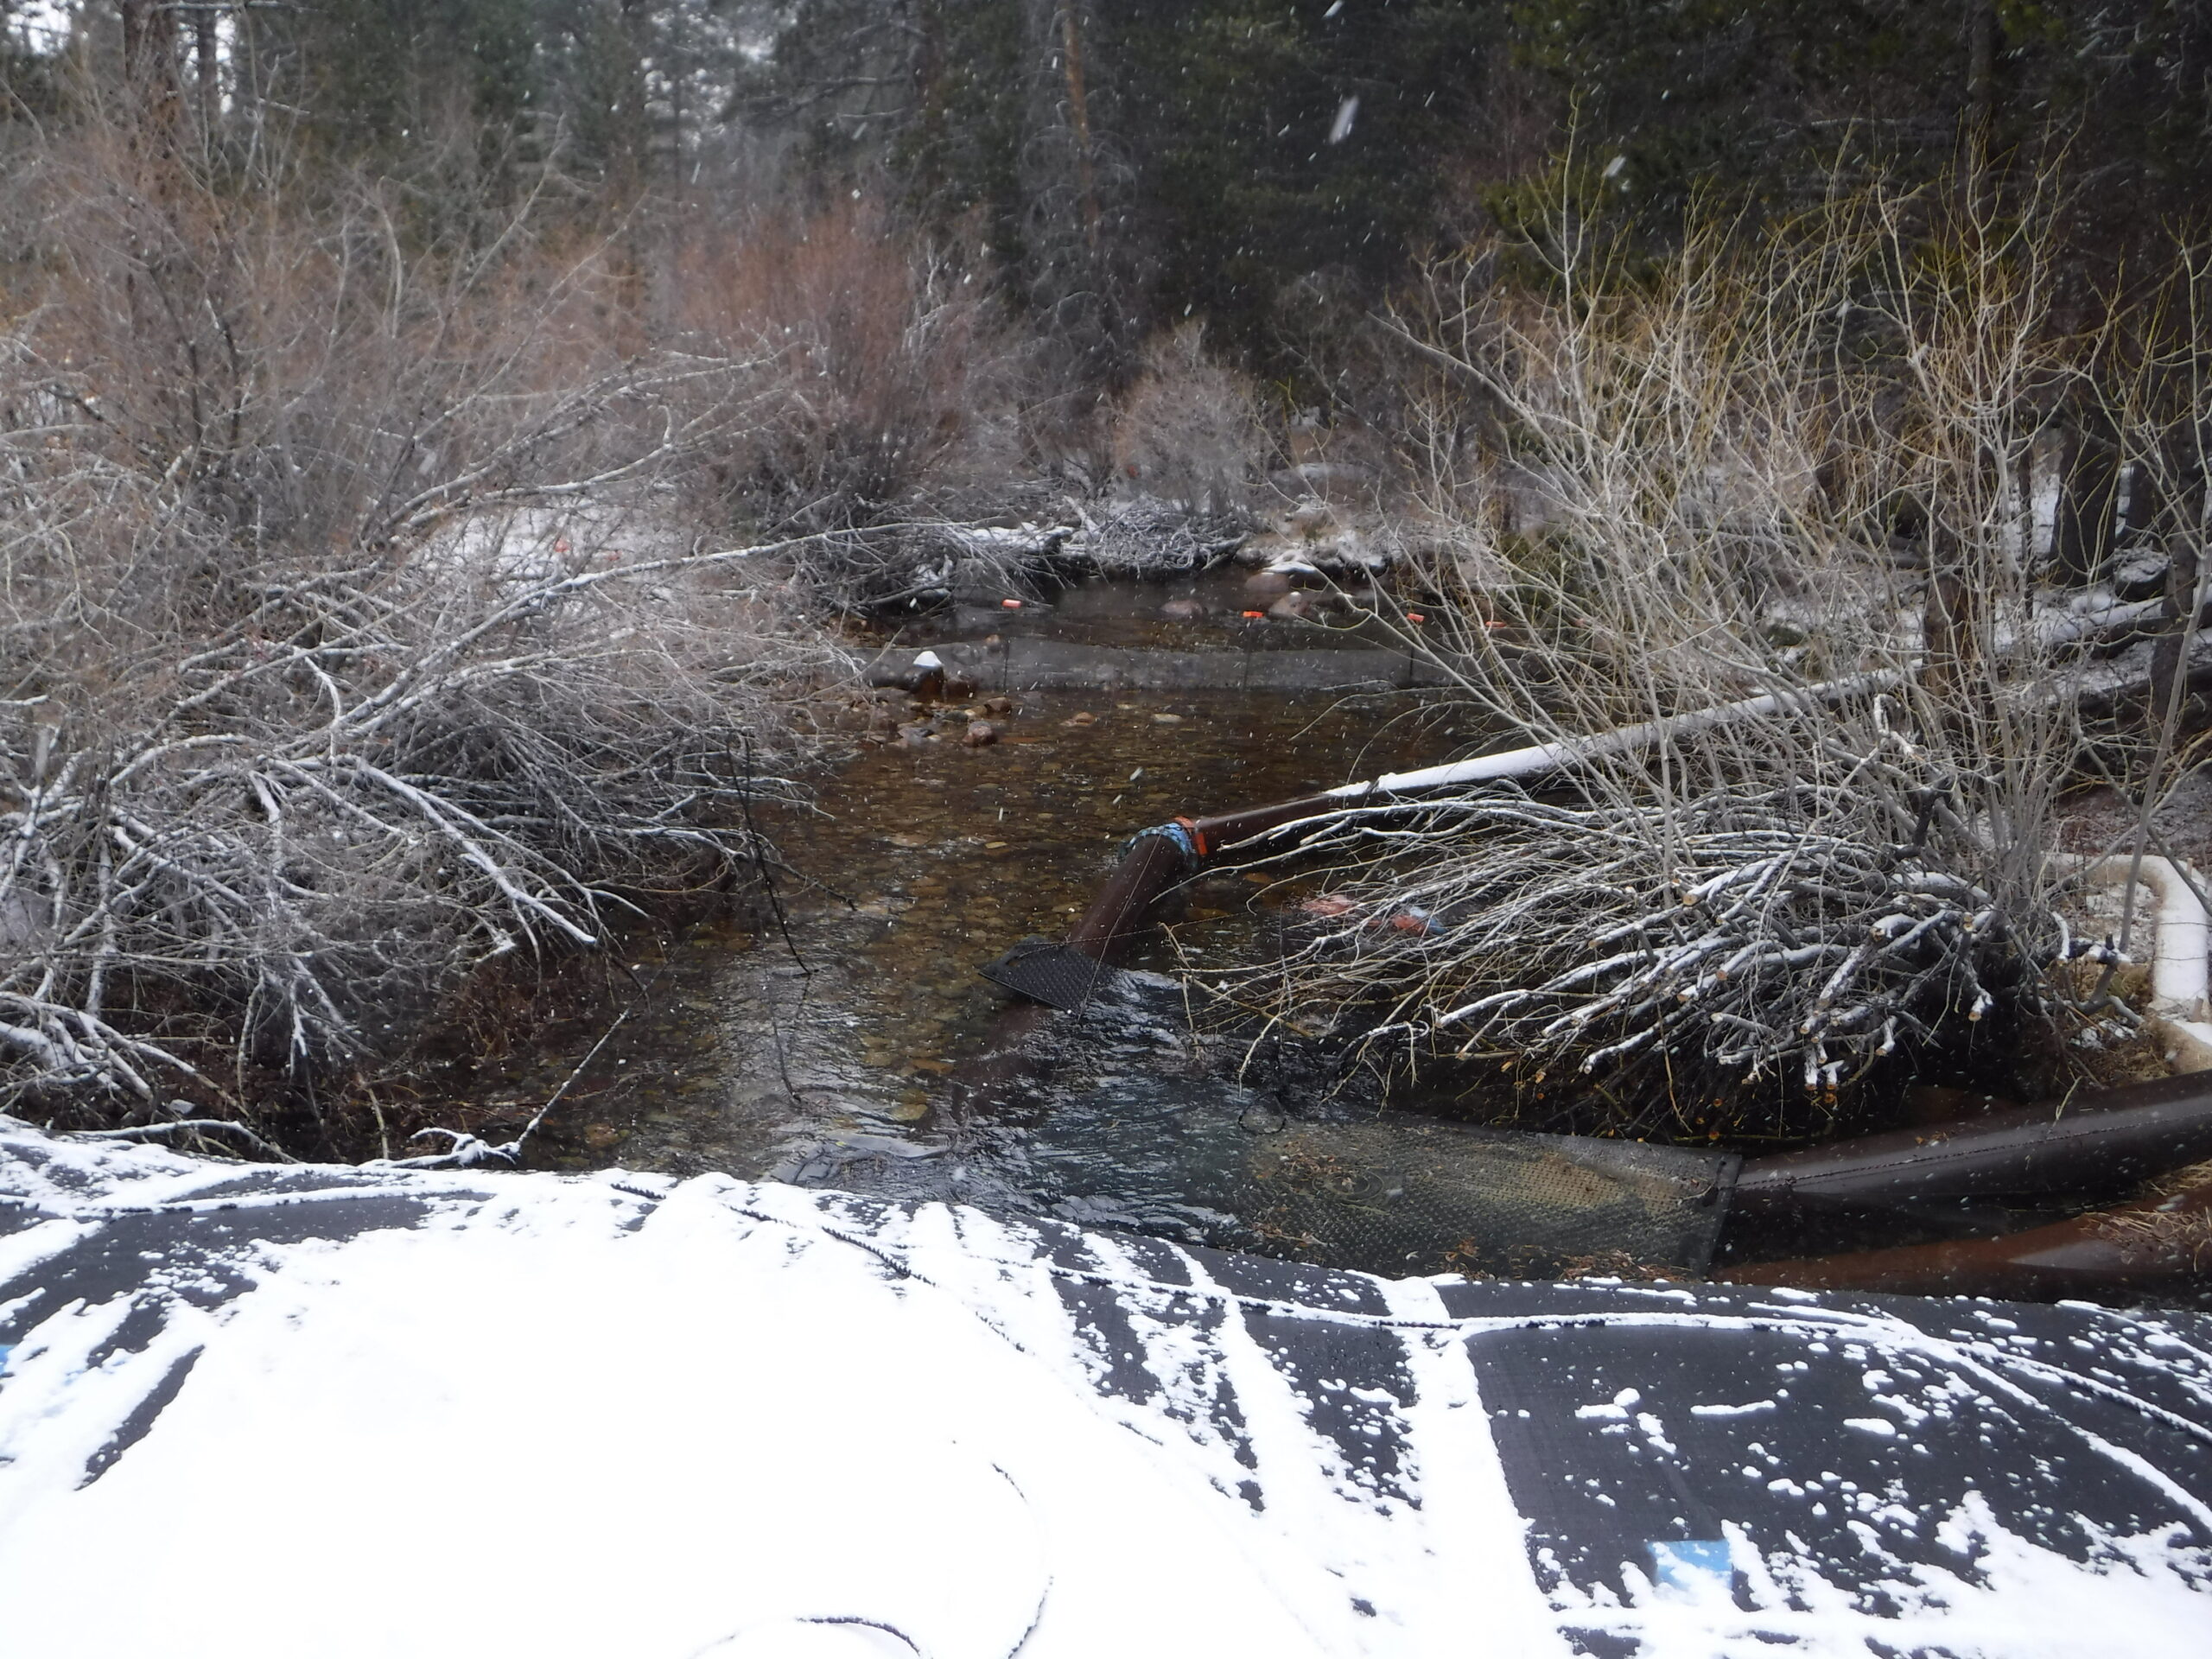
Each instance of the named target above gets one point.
<point>522,546</point>
<point>400,1414</point>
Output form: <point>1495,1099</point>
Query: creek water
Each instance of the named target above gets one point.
<point>834,1046</point>
<point>841,1036</point>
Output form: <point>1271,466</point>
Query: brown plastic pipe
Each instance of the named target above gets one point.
<point>1158,858</point>
<point>1155,861</point>
<point>1106,932</point>
<point>2115,1137</point>
<point>1226,828</point>
<point>2089,1256</point>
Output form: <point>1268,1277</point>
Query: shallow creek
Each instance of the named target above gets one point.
<point>825,1050</point>
<point>841,1037</point>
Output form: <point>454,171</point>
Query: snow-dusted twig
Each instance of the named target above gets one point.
<point>470,1152</point>
<point>195,1128</point>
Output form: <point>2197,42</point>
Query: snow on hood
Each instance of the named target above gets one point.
<point>251,1412</point>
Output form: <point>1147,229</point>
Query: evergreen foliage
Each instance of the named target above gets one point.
<point>1267,167</point>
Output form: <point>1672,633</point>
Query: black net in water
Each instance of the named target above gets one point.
<point>1413,1195</point>
<point>1045,971</point>
<point>1113,1117</point>
<point>1393,1194</point>
<point>1209,1162</point>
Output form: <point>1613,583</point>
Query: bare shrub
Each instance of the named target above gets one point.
<point>1190,430</point>
<point>1795,464</point>
<point>879,383</point>
<point>308,368</point>
<point>327,678</point>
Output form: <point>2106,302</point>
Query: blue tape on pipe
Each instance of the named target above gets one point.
<point>1174,832</point>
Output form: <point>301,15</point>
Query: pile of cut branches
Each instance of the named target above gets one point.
<point>1799,464</point>
<point>1799,935</point>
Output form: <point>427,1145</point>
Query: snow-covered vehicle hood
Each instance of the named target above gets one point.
<point>251,1412</point>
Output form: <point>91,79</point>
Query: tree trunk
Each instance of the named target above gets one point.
<point>2089,488</point>
<point>150,67</point>
<point>1981,62</point>
<point>207,75</point>
<point>2185,593</point>
<point>1079,122</point>
<point>1981,97</point>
